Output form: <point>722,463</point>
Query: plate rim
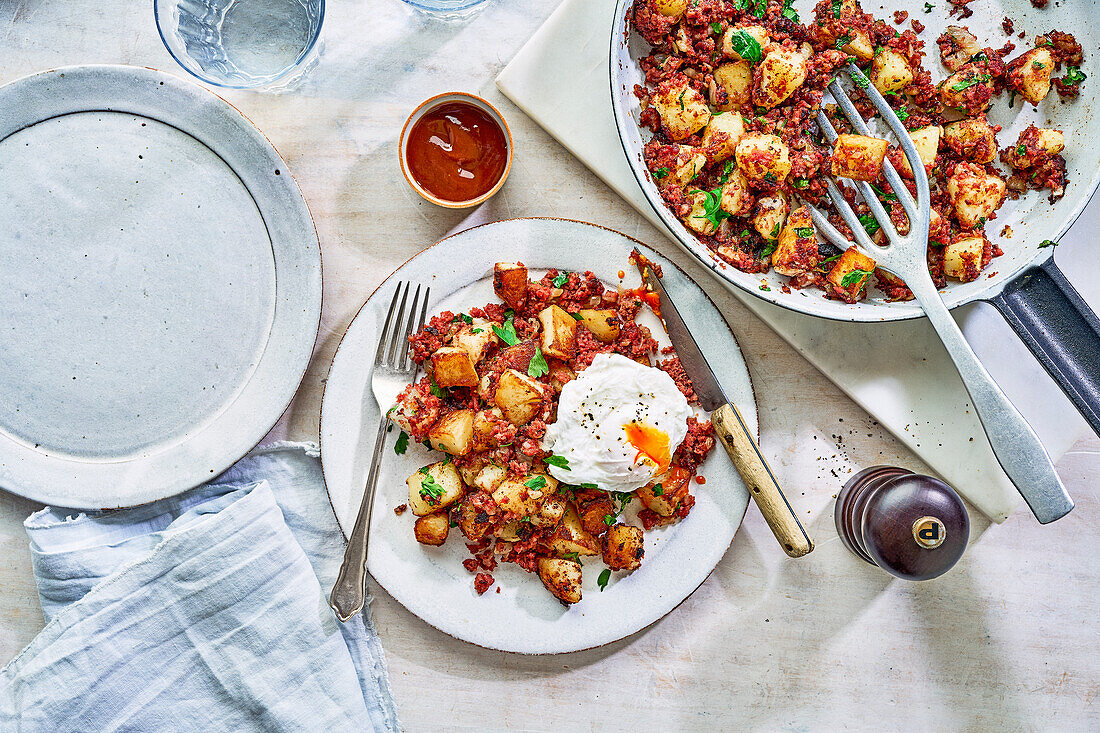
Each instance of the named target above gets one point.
<point>321,431</point>
<point>191,473</point>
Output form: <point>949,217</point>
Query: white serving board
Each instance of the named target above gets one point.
<point>898,372</point>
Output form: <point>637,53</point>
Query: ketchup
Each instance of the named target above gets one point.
<point>456,152</point>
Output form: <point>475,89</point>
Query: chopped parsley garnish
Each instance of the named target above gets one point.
<point>1012,98</point>
<point>538,366</point>
<point>855,277</point>
<point>883,194</point>
<point>903,114</point>
<point>746,46</point>
<point>558,461</point>
<point>727,168</point>
<point>928,7</point>
<point>589,486</point>
<point>769,248</point>
<point>429,489</point>
<point>836,8</point>
<point>712,206</point>
<point>761,8</point>
<point>770,177</point>
<point>804,231</point>
<point>476,330</point>
<point>802,183</point>
<point>604,577</point>
<point>657,490</point>
<point>869,224</point>
<point>1047,243</point>
<point>462,317</point>
<point>775,230</point>
<point>765,288</point>
<point>609,519</point>
<point>574,556</point>
<point>716,27</point>
<point>661,173</point>
<point>561,279</point>
<point>1074,76</point>
<point>438,391</point>
<point>1038,65</point>
<point>402,443</point>
<point>535,482</point>
<point>788,12</point>
<point>743,4</point>
<point>974,81</point>
<point>842,42</point>
<point>860,80</point>
<point>1021,149</point>
<point>507,333</point>
<point>681,99</point>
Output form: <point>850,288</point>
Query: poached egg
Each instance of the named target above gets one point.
<point>618,425</point>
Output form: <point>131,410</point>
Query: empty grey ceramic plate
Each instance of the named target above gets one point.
<point>160,285</point>
<point>430,581</point>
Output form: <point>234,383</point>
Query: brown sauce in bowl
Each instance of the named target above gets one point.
<point>456,152</point>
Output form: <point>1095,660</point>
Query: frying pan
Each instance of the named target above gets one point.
<point>1024,284</point>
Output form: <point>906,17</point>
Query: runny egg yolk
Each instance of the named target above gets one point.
<point>651,443</point>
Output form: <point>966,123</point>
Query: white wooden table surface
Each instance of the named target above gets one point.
<point>1005,640</point>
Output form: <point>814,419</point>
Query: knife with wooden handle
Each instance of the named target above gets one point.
<point>729,426</point>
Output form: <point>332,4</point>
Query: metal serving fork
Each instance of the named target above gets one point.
<point>393,370</point>
<point>1015,444</point>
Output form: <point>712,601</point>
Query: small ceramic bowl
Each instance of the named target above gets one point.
<point>431,103</point>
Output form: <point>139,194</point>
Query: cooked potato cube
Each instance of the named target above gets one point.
<point>969,89</point>
<point>510,283</point>
<point>975,194</point>
<point>1034,145</point>
<point>523,496</point>
<point>453,433</point>
<point>671,8</point>
<point>858,157</point>
<point>736,195</point>
<point>732,86</point>
<point>519,397</point>
<point>731,39</point>
<point>433,488</point>
<point>1030,74</point>
<point>561,577</point>
<point>472,521</point>
<point>927,142</point>
<point>432,529</point>
<point>559,332</point>
<point>452,367</point>
<point>604,324</point>
<point>622,547</point>
<point>513,531</point>
<point>486,427</point>
<point>859,46</point>
<point>664,494</point>
<point>560,374</point>
<point>489,478</point>
<point>698,218</point>
<point>850,275</point>
<point>796,251</point>
<point>972,140</point>
<point>763,158</point>
<point>594,514</point>
<point>550,511</point>
<point>722,133</point>
<point>570,535</point>
<point>957,46</point>
<point>690,162</point>
<point>962,259</point>
<point>891,72</point>
<point>475,340</point>
<point>683,110</point>
<point>782,71</point>
<point>415,412</point>
<point>769,215</point>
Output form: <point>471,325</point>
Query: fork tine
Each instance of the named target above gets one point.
<point>395,333</point>
<point>890,117</point>
<point>849,216</point>
<point>409,364</point>
<point>386,324</point>
<point>403,360</point>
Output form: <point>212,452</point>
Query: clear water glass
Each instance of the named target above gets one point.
<point>243,44</point>
<point>446,8</point>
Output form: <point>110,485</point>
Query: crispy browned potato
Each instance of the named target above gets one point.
<point>485,427</point>
<point>603,323</point>
<point>594,513</point>
<point>561,577</point>
<point>796,251</point>
<point>432,529</point>
<point>550,511</point>
<point>454,433</point>
<point>859,157</point>
<point>560,374</point>
<point>664,494</point>
<point>510,283</point>
<point>559,332</point>
<point>475,339</point>
<point>434,487</point>
<point>453,367</point>
<point>523,496</point>
<point>853,268</point>
<point>622,547</point>
<point>475,523</point>
<point>519,397</point>
<point>570,535</point>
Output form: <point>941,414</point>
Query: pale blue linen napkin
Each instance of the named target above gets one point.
<point>203,612</point>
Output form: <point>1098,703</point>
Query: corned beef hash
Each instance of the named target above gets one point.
<point>732,91</point>
<point>554,409</point>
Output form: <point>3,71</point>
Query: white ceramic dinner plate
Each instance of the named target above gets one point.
<point>160,285</point>
<point>431,581</point>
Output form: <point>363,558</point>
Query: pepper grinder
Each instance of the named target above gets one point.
<point>913,527</point>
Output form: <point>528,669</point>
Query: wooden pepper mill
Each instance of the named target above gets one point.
<point>913,527</point>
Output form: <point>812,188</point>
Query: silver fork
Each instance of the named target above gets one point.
<point>1015,444</point>
<point>393,370</point>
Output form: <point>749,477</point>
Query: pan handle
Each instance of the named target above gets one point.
<point>1057,325</point>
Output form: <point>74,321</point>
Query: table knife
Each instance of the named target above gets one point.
<point>729,426</point>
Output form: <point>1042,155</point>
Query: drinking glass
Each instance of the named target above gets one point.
<point>446,8</point>
<point>243,44</point>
